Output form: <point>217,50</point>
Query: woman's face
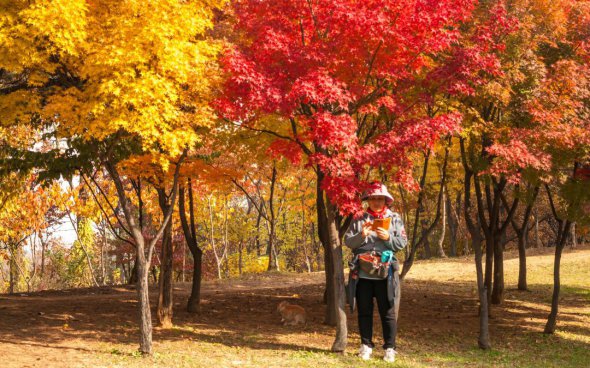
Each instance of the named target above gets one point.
<point>376,203</point>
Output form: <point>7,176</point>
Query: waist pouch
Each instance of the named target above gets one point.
<point>373,264</point>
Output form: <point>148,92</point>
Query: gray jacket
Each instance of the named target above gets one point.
<point>353,238</point>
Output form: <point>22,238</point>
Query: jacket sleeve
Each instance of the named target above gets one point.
<point>397,234</point>
<point>353,238</point>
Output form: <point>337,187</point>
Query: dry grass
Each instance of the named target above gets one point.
<point>238,326</point>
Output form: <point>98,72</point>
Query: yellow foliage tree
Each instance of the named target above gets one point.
<point>119,78</point>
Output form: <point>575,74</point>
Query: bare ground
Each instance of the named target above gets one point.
<point>238,324</point>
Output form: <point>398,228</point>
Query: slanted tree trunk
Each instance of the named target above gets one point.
<point>426,230</point>
<point>563,231</point>
<point>144,251</point>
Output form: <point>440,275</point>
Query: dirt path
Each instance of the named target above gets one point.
<point>238,322</point>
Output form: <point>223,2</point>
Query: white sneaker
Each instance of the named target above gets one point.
<point>389,355</point>
<point>365,352</point>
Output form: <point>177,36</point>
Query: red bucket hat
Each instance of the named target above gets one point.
<point>378,189</point>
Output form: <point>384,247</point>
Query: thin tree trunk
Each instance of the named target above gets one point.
<point>416,244</point>
<point>426,242</point>
<point>537,240</point>
<point>560,244</point>
<point>574,236</point>
<point>562,234</point>
<point>272,252</point>
<point>474,229</point>
<point>43,250</point>
<point>13,276</point>
<point>413,243</point>
<point>441,240</point>
<point>453,226</point>
<point>324,241</point>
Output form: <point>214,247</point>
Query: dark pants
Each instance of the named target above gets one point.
<point>366,290</point>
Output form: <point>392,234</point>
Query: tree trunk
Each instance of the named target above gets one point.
<point>441,240</point>
<point>43,250</point>
<point>498,289</point>
<point>337,301</point>
<point>574,237</point>
<point>165,297</point>
<point>13,276</point>
<point>189,230</point>
<point>474,230</point>
<point>416,244</point>
<point>483,340</point>
<point>143,253</point>
<point>453,227</point>
<point>522,283</point>
<point>145,314</point>
<point>271,251</point>
<point>561,240</point>
<point>194,301</point>
<point>240,258</point>
<point>133,275</point>
<point>564,227</point>
<point>537,240</point>
<point>323,234</point>
<point>489,268</point>
<point>424,235</point>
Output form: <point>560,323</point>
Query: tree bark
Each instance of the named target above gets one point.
<point>426,241</point>
<point>498,288</point>
<point>564,230</point>
<point>441,240</point>
<point>13,275</point>
<point>522,234</point>
<point>189,230</point>
<point>194,301</point>
<point>338,301</point>
<point>560,244</point>
<point>273,263</point>
<point>165,296</point>
<point>453,225</point>
<point>474,230</point>
<point>143,253</point>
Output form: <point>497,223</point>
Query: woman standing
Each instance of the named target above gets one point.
<point>374,270</point>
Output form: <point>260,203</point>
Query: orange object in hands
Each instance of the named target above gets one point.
<point>384,223</point>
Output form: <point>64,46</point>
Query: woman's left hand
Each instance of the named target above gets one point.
<point>382,233</point>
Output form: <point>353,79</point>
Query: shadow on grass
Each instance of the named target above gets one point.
<point>433,312</point>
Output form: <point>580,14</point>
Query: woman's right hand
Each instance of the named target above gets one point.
<point>367,228</point>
